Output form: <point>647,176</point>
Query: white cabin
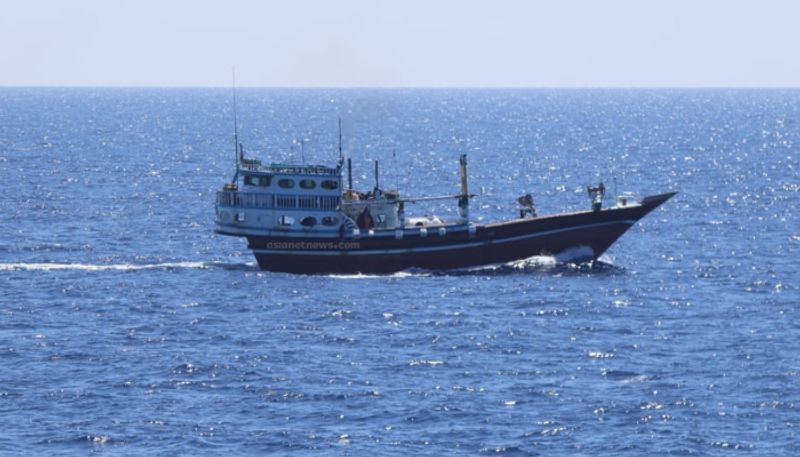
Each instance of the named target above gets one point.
<point>304,199</point>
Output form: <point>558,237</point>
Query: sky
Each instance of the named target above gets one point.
<point>408,43</point>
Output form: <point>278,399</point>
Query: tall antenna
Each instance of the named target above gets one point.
<point>341,156</point>
<point>236,147</point>
<point>303,151</point>
<point>377,186</point>
<point>395,167</point>
<point>350,173</point>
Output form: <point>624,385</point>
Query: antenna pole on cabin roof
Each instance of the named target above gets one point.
<point>350,173</point>
<point>377,186</point>
<point>341,156</point>
<point>237,151</point>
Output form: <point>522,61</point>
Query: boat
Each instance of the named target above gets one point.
<point>305,219</point>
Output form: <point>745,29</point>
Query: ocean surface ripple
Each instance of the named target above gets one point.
<point>127,327</point>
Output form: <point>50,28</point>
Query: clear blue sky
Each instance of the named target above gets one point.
<point>408,43</point>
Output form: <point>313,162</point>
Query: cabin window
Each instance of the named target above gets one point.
<point>329,184</point>
<point>308,221</point>
<point>330,221</point>
<point>286,183</point>
<point>262,181</point>
<point>308,183</point>
<point>285,220</point>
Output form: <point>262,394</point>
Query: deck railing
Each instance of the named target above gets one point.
<point>270,201</point>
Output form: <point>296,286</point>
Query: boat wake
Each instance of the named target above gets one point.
<point>52,266</point>
<point>577,260</point>
<point>400,274</point>
<point>547,265</point>
<point>539,264</point>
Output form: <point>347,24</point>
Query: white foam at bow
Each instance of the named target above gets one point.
<point>575,254</point>
<point>537,261</point>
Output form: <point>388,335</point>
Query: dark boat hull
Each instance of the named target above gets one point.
<point>583,235</point>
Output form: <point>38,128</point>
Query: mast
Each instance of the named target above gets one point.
<point>341,156</point>
<point>237,149</point>
<point>463,201</point>
<point>376,175</point>
<point>349,173</point>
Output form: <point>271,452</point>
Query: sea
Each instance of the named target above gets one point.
<point>127,327</point>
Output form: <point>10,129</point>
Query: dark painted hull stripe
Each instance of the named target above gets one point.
<point>449,247</point>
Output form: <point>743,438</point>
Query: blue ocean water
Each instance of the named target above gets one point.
<point>127,327</point>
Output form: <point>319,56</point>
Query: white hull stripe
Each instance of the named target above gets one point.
<point>449,247</point>
<point>228,229</point>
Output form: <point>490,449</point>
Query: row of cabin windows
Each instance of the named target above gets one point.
<point>286,183</point>
<point>261,181</point>
<point>309,221</point>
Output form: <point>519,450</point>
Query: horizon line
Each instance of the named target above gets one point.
<point>334,87</point>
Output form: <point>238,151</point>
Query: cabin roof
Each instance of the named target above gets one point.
<point>280,168</point>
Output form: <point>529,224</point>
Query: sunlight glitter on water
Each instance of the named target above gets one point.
<point>126,320</point>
